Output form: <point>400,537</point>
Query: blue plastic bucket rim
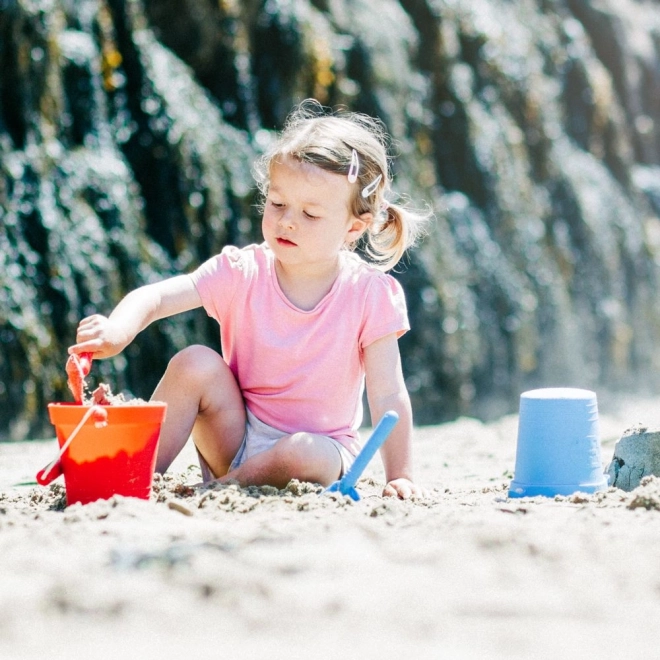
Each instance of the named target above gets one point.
<point>559,393</point>
<point>518,489</point>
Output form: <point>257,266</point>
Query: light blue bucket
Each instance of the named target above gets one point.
<point>558,451</point>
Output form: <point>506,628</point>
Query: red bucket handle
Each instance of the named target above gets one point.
<point>54,468</point>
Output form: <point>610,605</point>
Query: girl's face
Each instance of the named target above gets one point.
<point>307,220</point>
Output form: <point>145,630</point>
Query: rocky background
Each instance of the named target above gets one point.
<point>532,128</point>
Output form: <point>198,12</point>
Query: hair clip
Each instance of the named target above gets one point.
<point>371,188</point>
<point>354,168</point>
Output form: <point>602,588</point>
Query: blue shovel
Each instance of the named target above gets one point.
<point>346,485</point>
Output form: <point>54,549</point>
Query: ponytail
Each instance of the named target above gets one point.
<point>394,229</point>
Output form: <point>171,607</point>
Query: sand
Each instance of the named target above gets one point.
<point>465,572</point>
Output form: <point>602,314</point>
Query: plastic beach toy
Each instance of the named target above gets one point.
<point>77,368</point>
<point>105,459</point>
<point>558,451</point>
<point>346,485</point>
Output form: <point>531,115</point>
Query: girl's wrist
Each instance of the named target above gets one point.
<point>400,475</point>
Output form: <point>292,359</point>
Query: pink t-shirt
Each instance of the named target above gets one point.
<point>300,370</point>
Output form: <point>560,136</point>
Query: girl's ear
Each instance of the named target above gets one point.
<point>358,227</point>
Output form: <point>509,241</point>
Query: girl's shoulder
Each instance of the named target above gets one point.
<point>371,286</point>
<point>235,264</point>
<point>378,298</point>
<point>251,257</point>
<point>357,270</point>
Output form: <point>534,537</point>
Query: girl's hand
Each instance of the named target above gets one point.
<point>99,335</point>
<point>403,489</point>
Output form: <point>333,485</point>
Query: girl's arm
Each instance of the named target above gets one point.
<point>107,336</point>
<point>386,390</point>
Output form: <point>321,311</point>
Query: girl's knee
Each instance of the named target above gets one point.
<point>197,361</point>
<point>291,451</point>
<point>308,458</point>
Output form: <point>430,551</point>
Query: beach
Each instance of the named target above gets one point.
<point>465,572</point>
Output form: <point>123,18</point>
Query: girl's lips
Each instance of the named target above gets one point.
<point>285,242</point>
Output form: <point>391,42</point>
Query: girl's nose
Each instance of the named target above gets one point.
<point>285,220</point>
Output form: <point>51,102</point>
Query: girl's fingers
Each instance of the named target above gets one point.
<point>94,346</point>
<point>91,323</point>
<point>404,490</point>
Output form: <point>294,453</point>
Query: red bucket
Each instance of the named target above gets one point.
<point>117,459</point>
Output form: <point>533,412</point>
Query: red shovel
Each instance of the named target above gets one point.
<point>77,369</point>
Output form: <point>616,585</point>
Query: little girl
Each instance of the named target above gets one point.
<point>304,321</point>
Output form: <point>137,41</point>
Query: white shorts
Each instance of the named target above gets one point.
<point>259,437</point>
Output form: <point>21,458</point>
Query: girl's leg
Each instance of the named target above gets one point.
<point>203,400</point>
<point>302,456</point>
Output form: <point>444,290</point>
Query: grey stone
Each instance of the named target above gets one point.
<point>636,455</point>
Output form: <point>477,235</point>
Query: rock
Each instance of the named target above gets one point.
<point>128,129</point>
<point>636,455</point>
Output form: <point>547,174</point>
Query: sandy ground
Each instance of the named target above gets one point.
<point>464,573</point>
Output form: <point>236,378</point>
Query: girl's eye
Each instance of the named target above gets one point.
<point>310,216</point>
<point>276,205</point>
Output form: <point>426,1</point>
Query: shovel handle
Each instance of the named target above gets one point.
<point>86,362</point>
<point>377,438</point>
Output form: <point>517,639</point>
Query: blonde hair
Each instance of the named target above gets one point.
<point>314,135</point>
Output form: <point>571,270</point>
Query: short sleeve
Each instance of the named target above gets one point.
<point>217,278</point>
<point>385,310</point>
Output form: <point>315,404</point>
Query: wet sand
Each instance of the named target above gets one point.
<point>465,572</point>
